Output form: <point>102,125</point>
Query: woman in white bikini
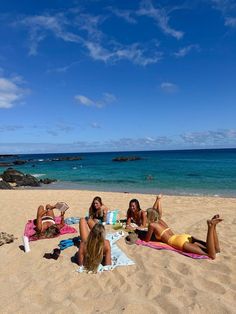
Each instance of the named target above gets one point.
<point>45,221</point>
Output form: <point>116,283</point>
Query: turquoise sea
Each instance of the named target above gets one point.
<point>185,172</point>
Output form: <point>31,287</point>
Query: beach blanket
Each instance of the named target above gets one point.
<point>118,257</point>
<point>164,246</point>
<point>72,220</point>
<point>30,229</point>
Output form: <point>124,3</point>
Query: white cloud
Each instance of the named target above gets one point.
<point>227,9</point>
<point>210,137</point>
<point>124,14</point>
<point>186,50</point>
<point>160,16</point>
<point>87,33</point>
<point>88,102</point>
<point>11,91</point>
<point>230,21</point>
<point>169,87</point>
<point>39,24</point>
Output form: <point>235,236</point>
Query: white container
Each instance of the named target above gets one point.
<point>26,243</point>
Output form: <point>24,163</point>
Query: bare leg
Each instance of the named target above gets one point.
<point>40,213</point>
<point>91,223</point>
<point>210,243</point>
<point>83,229</point>
<point>157,205</point>
<point>217,245</point>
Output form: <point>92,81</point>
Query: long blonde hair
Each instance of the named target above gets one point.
<point>94,248</point>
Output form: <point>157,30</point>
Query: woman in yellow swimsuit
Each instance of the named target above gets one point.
<point>186,242</point>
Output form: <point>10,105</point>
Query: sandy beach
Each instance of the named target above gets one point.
<point>159,282</point>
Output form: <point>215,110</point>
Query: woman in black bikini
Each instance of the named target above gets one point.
<point>97,210</point>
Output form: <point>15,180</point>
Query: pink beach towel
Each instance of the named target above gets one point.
<point>30,229</point>
<point>164,246</point>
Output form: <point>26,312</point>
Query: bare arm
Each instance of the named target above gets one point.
<point>149,233</point>
<point>143,219</point>
<point>107,253</point>
<point>128,221</point>
<point>62,223</point>
<point>105,209</point>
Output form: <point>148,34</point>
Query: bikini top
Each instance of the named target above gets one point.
<point>163,231</point>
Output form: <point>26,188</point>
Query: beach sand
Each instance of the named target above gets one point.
<point>159,282</point>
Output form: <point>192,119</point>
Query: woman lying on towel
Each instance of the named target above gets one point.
<point>94,248</point>
<point>97,210</point>
<point>136,217</point>
<point>45,221</point>
<point>186,242</point>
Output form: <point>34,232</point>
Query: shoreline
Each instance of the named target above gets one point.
<point>69,185</point>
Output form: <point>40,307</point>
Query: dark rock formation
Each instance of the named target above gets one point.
<point>67,158</point>
<point>19,162</point>
<point>15,176</point>
<point>6,164</point>
<point>9,156</point>
<point>47,181</point>
<point>126,158</point>
<point>5,185</point>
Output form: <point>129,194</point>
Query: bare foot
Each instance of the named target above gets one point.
<point>215,216</point>
<point>213,222</point>
<point>159,196</point>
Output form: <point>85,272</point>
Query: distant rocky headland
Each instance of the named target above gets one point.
<point>126,158</point>
<point>17,161</point>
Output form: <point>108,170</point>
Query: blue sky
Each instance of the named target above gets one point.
<point>96,75</point>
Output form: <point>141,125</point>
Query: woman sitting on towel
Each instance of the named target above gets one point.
<point>185,242</point>
<point>97,210</point>
<point>45,221</point>
<point>94,248</point>
<point>137,216</point>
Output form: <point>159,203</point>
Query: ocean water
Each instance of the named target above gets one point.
<point>186,172</point>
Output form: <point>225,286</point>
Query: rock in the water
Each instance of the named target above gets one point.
<point>67,158</point>
<point>126,158</point>
<point>6,164</point>
<point>19,162</point>
<point>47,181</point>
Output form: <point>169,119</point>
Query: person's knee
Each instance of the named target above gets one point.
<point>40,207</point>
<point>82,221</point>
<point>212,256</point>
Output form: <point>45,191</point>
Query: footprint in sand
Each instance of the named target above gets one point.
<point>211,286</point>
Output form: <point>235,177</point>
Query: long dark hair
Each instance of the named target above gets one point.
<point>92,208</point>
<point>134,200</point>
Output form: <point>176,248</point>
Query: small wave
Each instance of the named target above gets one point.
<point>37,175</point>
<point>74,168</point>
<point>40,159</point>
